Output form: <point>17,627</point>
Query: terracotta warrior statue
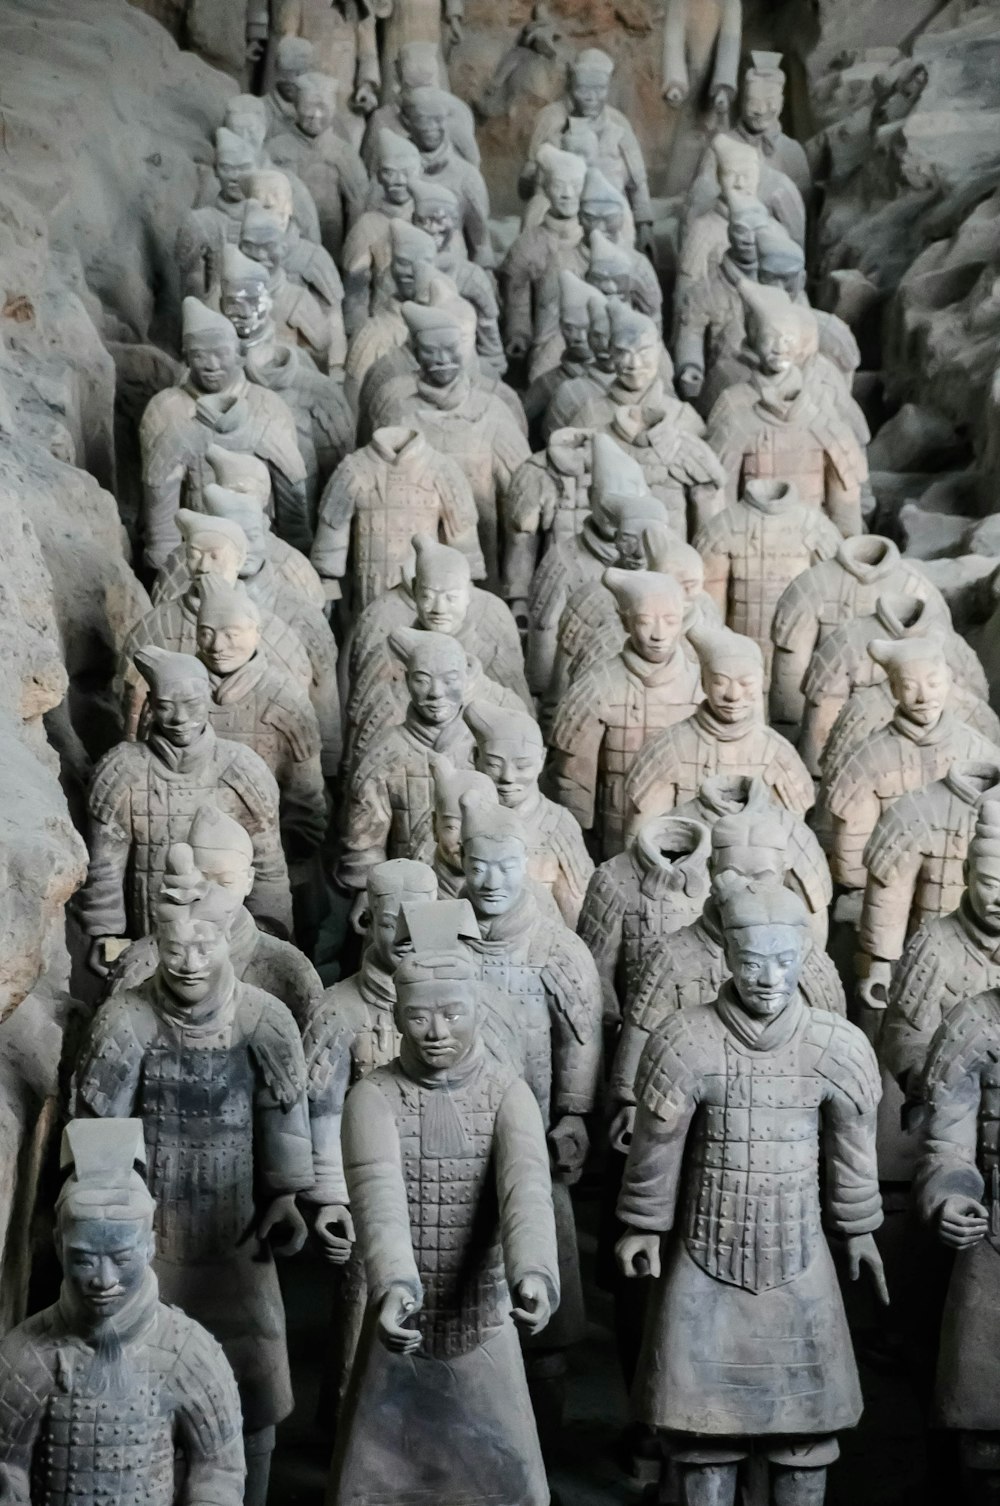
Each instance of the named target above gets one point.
<point>841,665</point>
<point>688,967</point>
<point>530,270</point>
<point>254,704</point>
<point>916,747</point>
<point>306,316</point>
<point>789,420</point>
<point>951,957</point>
<point>418,65</point>
<point>680,468</point>
<point>701,53</point>
<point>397,485</point>
<point>576,358</point>
<point>615,708</point>
<point>365,255</point>
<point>438,595</point>
<point>291,57</point>
<point>619,156</point>
<point>214,1069</point>
<point>303,263</point>
<point>324,423</point>
<point>223,855</point>
<point>914,865</point>
<point>391,788</point>
<point>425,115</point>
<point>247,116</point>
<point>509,748</point>
<point>110,1386</point>
<point>653,888</point>
<point>753,548</point>
<point>604,208</point>
<point>727,734</point>
<point>752,1091</point>
<point>344,45</point>
<point>214,405</point>
<point>441,847</point>
<point>434,25</point>
<point>584,555</point>
<point>327,164</point>
<point>249,477</point>
<point>638,362</point>
<point>829,593</point>
<point>411,256</point>
<point>762,100</point>
<point>460,418</point>
<point>956,1195</point>
<point>440,601</point>
<point>437,211</point>
<point>209,227</point>
<point>548,503</point>
<point>144,794</point>
<point>731,176</point>
<point>440,1349</point>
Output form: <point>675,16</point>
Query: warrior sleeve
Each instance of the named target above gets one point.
<point>667,1098</point>
<point>476,217</point>
<point>283,1160</point>
<point>522,520</point>
<point>637,185</point>
<point>651,785</point>
<point>794,632</point>
<point>853,1200</point>
<point>459,515</point>
<point>209,1424</point>
<point>953,1089</point>
<point>646,294</point>
<point>374,1171</point>
<point>885,914</point>
<point>843,501</point>
<point>328,1067</point>
<point>356,260</point>
<point>256,787</point>
<point>577,736</point>
<point>575,868</point>
<point>711,542</point>
<point>101,905</point>
<point>368,71</point>
<point>518,299</point>
<point>727,47</point>
<point>333,526</point>
<point>524,1192</point>
<point>367,825</point>
<point>852,807</point>
<point>600,929</point>
<point>304,816</point>
<point>675,69</point>
<point>25,1388</point>
<point>574,992</point>
<point>106,1079</point>
<point>353,181</point>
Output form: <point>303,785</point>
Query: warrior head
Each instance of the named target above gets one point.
<point>192,923</point>
<point>918,674</point>
<point>262,237</point>
<point>436,673</point>
<point>315,103</point>
<point>179,694</point>
<point>293,57</point>
<point>638,514</point>
<point>245,296</point>
<point>561,179</point>
<point>666,552</point>
<point>509,748</point>
<point>212,546</point>
<point>781,261</point>
<point>418,66</point>
<point>437,212</point>
<point>732,674</point>
<point>574,317</point>
<point>397,166</point>
<point>616,481</point>
<point>246,116</point>
<point>749,843</point>
<point>271,190</point>
<point>424,113</point>
<point>638,355</point>
<point>222,851</point>
<point>651,608</point>
<point>240,502</point>
<point>234,159</point>
<point>776,327</point>
<point>603,207</point>
<point>439,334</point>
<point>609,266</point>
<point>442,585</point>
<point>392,885</point>
<point>494,857</point>
<point>765,930</point>
<point>737,166</point>
<point>589,81</point>
<point>211,347</point>
<point>228,626</point>
<point>410,248</point>
<point>104,1216</point>
<point>763,93</point>
<point>437,992</point>
<point>450,784</point>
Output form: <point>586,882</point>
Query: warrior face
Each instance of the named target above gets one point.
<point>607,218</point>
<point>741,177</point>
<point>230,870</point>
<point>394,182</point>
<point>628,543</point>
<point>427,125</point>
<point>231,170</point>
<point>312,113</point>
<point>213,360</point>
<point>448,835</point>
<point>920,690</point>
<point>982,880</point>
<point>762,102</point>
<point>638,363</point>
<point>588,95</point>
<point>248,124</point>
<point>654,630</point>
<point>734,694</point>
<point>180,713</point>
<point>576,337</point>
<point>514,769</point>
<point>441,1031</point>
<point>439,223</point>
<point>495,870</point>
<point>776,346</point>
<point>563,193</point>
<point>104,1260</point>
<point>765,962</point>
<point>194,955</point>
<point>226,647</point>
<point>212,554</point>
<point>404,275</point>
<point>388,948</point>
<point>264,243</point>
<point>247,306</point>
<point>442,606</point>
<point>439,356</point>
<point>436,694</point>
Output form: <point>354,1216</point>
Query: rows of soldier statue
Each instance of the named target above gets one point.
<point>686,661</point>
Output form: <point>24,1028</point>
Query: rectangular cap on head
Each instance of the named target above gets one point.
<point>744,904</point>
<point>102,1156</point>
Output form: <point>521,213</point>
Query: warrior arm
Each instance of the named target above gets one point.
<point>727,47</point>
<point>794,632</point>
<point>523,513</point>
<point>101,904</point>
<point>374,1171</point>
<point>368,69</point>
<point>329,1071</point>
<point>258,22</point>
<point>304,817</point>
<point>850,832</point>
<point>459,515</point>
<point>367,827</point>
<point>476,218</point>
<point>842,501</point>
<point>648,1198</point>
<point>575,868</point>
<point>575,1011</point>
<point>885,914</point>
<point>358,264</point>
<point>600,929</point>
<point>333,526</point>
<point>524,1191</point>
<point>209,1425</point>
<point>25,1388</point>
<point>853,1201</point>
<point>675,66</point>
<point>637,184</point>
<point>646,294</point>
<point>819,716</point>
<point>270,898</point>
<point>518,301</point>
<point>578,734</point>
<point>711,545</point>
<point>948,1163</point>
<point>161,499</point>
<point>631,1044</point>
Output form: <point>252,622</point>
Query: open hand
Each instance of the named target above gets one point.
<point>284,1219</point>
<point>638,1254</point>
<point>862,1250</point>
<point>398,1305</point>
<point>962,1222</point>
<point>334,1228</point>
<point>533,1308</point>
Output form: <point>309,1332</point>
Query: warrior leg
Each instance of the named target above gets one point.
<point>797,1487</point>
<point>708,1484</point>
<point>258,1447</point>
